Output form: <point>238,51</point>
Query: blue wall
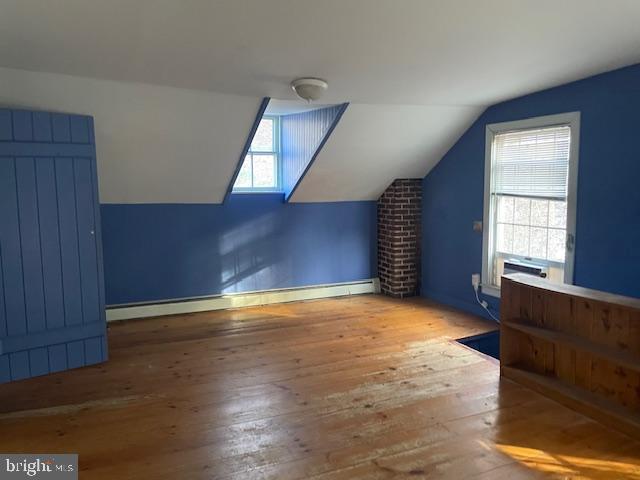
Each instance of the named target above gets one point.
<point>608,209</point>
<point>302,136</point>
<point>252,242</point>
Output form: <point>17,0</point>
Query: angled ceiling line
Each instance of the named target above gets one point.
<point>247,145</point>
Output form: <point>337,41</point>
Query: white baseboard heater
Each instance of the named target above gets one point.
<point>245,299</point>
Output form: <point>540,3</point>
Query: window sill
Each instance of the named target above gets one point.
<point>490,290</point>
<point>257,192</point>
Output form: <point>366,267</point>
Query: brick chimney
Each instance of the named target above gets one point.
<point>399,219</point>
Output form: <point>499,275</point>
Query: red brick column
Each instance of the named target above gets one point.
<point>399,219</point>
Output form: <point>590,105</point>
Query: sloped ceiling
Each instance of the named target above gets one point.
<point>429,65</point>
<point>375,144</point>
<point>155,144</point>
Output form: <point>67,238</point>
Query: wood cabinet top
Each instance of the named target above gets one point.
<point>573,290</point>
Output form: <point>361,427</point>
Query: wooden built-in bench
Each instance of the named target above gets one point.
<point>578,346</point>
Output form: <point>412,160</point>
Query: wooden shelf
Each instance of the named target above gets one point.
<point>618,357</point>
<point>594,369</point>
<point>583,401</point>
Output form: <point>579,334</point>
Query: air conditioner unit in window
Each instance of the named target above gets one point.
<point>514,265</point>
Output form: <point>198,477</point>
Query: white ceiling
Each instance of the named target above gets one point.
<point>453,52</point>
<point>287,107</point>
<point>449,59</point>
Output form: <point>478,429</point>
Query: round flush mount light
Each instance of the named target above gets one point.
<point>309,89</point>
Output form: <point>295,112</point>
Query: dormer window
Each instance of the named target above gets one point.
<point>260,171</point>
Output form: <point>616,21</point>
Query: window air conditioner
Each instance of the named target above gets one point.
<point>514,265</point>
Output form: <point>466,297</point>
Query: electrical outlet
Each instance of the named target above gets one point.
<point>475,280</point>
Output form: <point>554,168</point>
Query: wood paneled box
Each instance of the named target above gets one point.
<point>578,346</point>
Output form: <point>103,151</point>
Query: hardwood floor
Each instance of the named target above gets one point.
<point>361,387</point>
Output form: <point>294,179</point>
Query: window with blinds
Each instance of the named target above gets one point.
<point>533,163</point>
<point>528,199</point>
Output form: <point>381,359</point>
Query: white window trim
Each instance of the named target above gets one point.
<point>571,119</point>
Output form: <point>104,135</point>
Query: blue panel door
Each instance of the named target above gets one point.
<point>51,281</point>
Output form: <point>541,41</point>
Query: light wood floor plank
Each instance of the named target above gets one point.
<point>363,387</point>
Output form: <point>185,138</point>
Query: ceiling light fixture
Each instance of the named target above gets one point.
<point>309,89</point>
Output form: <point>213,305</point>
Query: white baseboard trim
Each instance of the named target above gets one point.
<point>248,299</point>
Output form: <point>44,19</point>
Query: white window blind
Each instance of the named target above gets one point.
<point>532,163</point>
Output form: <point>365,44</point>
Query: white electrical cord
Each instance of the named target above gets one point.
<point>484,304</point>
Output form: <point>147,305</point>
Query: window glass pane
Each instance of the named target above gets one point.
<point>505,238</point>
<point>522,211</point>
<point>244,176</point>
<point>522,228</point>
<point>539,213</point>
<point>521,240</point>
<point>556,245</point>
<point>263,139</point>
<point>558,214</point>
<point>264,172</point>
<point>538,243</point>
<point>505,209</point>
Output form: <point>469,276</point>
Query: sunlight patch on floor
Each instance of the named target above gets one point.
<point>571,465</point>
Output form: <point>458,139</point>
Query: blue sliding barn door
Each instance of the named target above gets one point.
<point>51,281</point>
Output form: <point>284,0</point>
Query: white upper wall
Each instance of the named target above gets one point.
<point>154,144</point>
<point>416,73</point>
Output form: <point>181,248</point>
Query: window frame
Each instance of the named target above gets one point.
<point>275,153</point>
<point>570,119</point>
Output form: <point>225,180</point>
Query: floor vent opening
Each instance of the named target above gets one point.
<point>487,343</point>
